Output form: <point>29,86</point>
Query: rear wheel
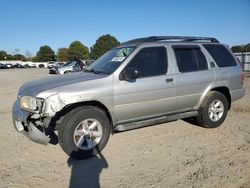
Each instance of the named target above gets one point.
<point>84,132</point>
<point>213,111</point>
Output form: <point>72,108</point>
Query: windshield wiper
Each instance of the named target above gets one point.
<point>95,71</point>
<point>91,70</point>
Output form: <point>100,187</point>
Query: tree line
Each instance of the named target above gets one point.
<point>241,48</point>
<point>76,50</point>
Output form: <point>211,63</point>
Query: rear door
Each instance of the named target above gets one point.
<point>193,75</point>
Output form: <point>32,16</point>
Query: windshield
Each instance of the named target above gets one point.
<point>110,61</point>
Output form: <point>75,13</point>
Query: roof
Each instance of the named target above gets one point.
<point>139,41</point>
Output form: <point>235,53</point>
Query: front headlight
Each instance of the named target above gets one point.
<point>30,103</point>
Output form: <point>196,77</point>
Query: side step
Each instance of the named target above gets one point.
<point>158,120</point>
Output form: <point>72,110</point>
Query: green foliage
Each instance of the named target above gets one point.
<point>62,55</point>
<point>247,48</point>
<point>237,49</point>
<point>45,54</point>
<point>34,59</point>
<point>102,45</point>
<point>75,51</point>
<point>28,55</point>
<point>19,57</point>
<point>242,48</point>
<point>3,55</point>
<point>78,51</point>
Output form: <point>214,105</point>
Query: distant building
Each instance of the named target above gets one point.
<point>244,58</point>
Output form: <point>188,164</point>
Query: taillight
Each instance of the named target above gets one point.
<point>242,75</point>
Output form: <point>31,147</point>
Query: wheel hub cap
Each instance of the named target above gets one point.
<point>216,110</point>
<point>87,134</point>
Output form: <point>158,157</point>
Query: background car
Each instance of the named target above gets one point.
<point>54,69</point>
<point>3,66</point>
<point>69,67</point>
<point>10,66</point>
<point>18,65</point>
<point>51,64</point>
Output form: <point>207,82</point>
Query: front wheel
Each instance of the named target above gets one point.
<point>213,111</point>
<point>84,132</point>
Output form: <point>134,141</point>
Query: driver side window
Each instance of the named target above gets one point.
<point>150,61</point>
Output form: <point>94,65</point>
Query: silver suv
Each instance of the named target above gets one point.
<point>142,82</point>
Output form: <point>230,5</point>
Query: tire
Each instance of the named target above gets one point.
<point>213,110</point>
<point>41,66</point>
<point>67,72</point>
<point>75,135</point>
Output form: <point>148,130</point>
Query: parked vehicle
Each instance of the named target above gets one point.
<point>88,62</point>
<point>74,66</point>
<point>3,66</point>
<point>27,66</point>
<point>51,64</point>
<point>54,69</point>
<point>32,66</point>
<point>142,82</point>
<point>18,65</point>
<point>10,66</point>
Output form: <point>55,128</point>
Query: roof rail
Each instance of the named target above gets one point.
<point>172,38</point>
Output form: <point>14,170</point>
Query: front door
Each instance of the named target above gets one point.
<point>150,95</point>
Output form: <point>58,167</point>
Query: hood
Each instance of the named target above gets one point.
<point>34,87</point>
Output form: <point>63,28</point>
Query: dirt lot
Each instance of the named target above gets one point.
<point>176,154</point>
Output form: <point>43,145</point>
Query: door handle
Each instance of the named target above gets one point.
<point>169,79</point>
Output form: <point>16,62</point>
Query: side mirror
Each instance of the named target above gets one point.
<point>130,74</point>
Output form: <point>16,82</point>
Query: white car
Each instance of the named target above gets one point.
<point>51,64</point>
<point>69,67</point>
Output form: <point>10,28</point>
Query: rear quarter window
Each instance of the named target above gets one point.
<point>221,55</point>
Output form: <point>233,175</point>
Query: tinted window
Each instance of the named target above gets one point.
<point>190,59</point>
<point>150,61</point>
<point>221,55</point>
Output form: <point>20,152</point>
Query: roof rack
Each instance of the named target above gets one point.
<point>172,38</point>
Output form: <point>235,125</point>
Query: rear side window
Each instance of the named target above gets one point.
<point>190,59</point>
<point>221,55</point>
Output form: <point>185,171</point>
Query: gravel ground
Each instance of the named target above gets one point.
<point>176,154</point>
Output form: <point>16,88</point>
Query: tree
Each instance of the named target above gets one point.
<point>45,54</point>
<point>102,45</point>
<point>247,48</point>
<point>19,57</point>
<point>62,54</point>
<point>237,49</point>
<point>10,57</point>
<point>28,55</point>
<point>34,59</point>
<point>78,50</point>
<point>3,55</point>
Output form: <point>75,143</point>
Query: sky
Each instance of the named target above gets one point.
<point>28,24</point>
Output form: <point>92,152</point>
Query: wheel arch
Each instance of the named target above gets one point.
<point>221,89</point>
<point>225,91</point>
<point>59,115</point>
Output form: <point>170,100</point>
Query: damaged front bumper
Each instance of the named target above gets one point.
<point>26,127</point>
